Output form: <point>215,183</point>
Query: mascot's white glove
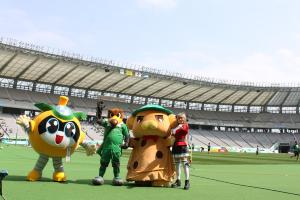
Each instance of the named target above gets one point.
<point>90,149</point>
<point>23,121</point>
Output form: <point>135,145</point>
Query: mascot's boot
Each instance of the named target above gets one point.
<point>98,180</point>
<point>117,181</point>
<point>34,175</point>
<point>59,177</point>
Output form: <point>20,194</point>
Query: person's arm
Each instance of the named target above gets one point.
<point>182,129</point>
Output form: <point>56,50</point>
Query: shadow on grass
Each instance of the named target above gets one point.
<point>24,178</point>
<point>248,186</point>
<point>78,181</point>
<point>128,185</point>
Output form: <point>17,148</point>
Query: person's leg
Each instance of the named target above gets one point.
<point>186,168</point>
<point>178,172</point>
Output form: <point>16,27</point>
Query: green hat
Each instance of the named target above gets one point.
<point>152,107</point>
<point>61,110</point>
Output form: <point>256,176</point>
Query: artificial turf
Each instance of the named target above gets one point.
<point>225,176</point>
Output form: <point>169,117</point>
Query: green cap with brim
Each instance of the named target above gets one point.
<point>62,112</point>
<point>152,107</point>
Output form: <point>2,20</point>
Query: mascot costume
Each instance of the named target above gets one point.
<point>151,162</point>
<point>54,133</point>
<point>115,132</point>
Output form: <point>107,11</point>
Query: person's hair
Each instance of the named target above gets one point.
<point>183,115</point>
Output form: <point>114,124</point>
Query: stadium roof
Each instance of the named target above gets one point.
<point>20,61</point>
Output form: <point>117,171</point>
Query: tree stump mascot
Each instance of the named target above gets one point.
<point>151,162</point>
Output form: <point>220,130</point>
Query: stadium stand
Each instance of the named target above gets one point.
<point>224,114</point>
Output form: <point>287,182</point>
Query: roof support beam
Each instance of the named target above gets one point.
<point>7,63</point>
<point>144,88</point>
<point>255,99</point>
<point>131,85</point>
<point>248,106</point>
<point>241,97</point>
<point>27,68</point>
<point>215,95</point>
<point>98,81</point>
<point>46,72</point>
<point>186,94</point>
<point>184,86</point>
<point>112,85</point>
<point>63,75</point>
<point>79,80</point>
<point>270,99</point>
<point>161,89</point>
<point>285,98</point>
<point>201,94</point>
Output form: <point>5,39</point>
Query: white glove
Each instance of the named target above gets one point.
<point>175,129</point>
<point>23,121</point>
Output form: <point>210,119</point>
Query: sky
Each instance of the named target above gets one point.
<point>243,40</point>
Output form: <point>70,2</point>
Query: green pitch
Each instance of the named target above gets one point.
<point>216,176</point>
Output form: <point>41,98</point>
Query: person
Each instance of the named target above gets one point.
<point>208,148</point>
<point>257,150</point>
<point>180,150</point>
<point>202,149</point>
<point>296,150</point>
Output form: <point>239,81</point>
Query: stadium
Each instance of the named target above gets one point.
<point>236,118</point>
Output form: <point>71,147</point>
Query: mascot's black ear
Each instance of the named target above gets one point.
<point>80,115</point>
<point>43,106</point>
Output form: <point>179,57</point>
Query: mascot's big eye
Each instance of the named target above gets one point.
<point>159,118</point>
<point>70,129</point>
<point>111,114</point>
<point>119,115</point>
<point>52,125</point>
<point>139,119</point>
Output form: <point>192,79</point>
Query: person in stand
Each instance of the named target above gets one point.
<point>208,148</point>
<point>180,150</point>
<point>296,150</point>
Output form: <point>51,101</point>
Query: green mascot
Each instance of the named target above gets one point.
<point>115,132</point>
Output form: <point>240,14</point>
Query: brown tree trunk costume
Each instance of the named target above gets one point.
<point>151,161</point>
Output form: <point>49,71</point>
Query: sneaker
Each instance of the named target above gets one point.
<point>176,184</point>
<point>187,185</point>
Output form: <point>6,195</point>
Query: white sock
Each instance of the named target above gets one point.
<point>186,170</point>
<point>178,170</point>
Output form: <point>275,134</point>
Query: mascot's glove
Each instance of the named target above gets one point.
<point>90,149</point>
<point>126,142</point>
<point>125,145</point>
<point>23,121</point>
